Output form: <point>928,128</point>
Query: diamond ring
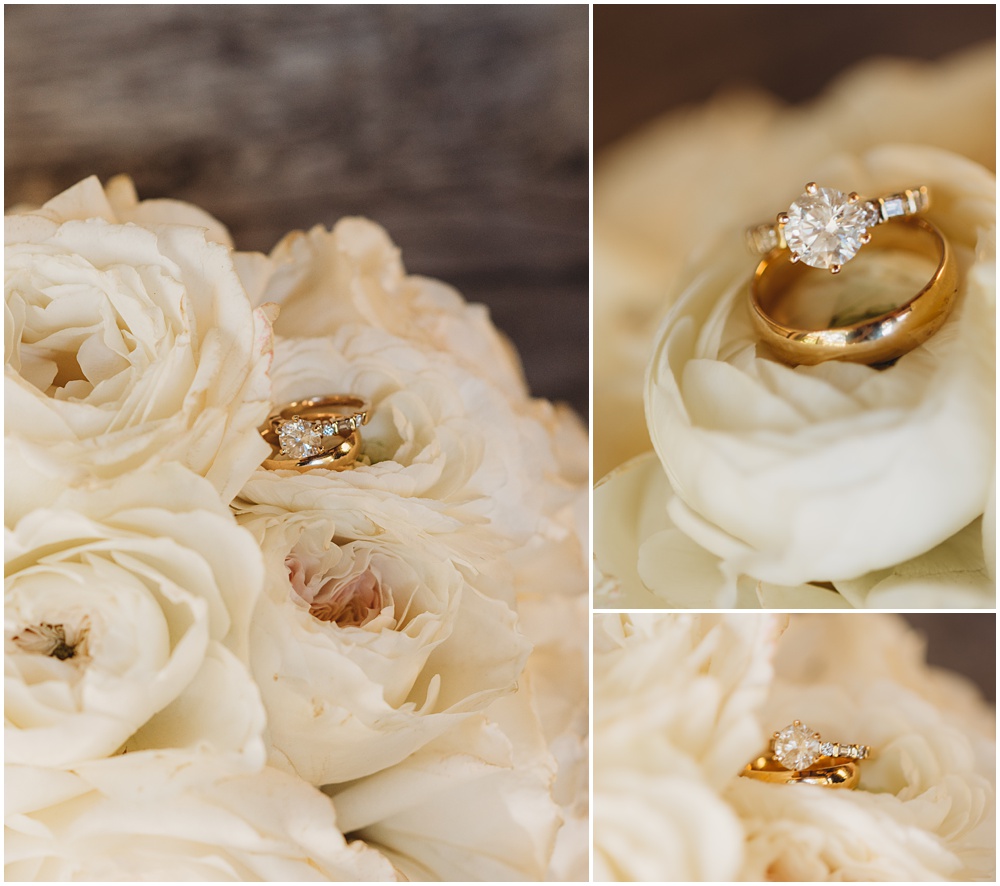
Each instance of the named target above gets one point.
<point>800,755</point>
<point>800,331</point>
<point>825,228</point>
<point>316,432</point>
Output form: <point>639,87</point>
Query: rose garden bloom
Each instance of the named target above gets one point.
<point>126,621</point>
<point>130,340</point>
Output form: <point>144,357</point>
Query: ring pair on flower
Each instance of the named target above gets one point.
<point>825,228</point>
<point>317,432</point>
<point>798,755</point>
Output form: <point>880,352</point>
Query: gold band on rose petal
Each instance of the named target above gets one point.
<point>798,755</point>
<point>871,340</point>
<point>315,432</point>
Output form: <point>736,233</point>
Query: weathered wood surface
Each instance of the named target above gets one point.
<point>463,130</point>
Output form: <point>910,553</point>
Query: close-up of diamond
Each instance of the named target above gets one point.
<point>796,746</point>
<point>825,229</point>
<point>299,438</point>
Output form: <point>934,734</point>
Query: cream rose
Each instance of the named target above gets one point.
<point>438,431</point>
<point>169,815</point>
<point>926,805</point>
<point>824,473</point>
<point>377,630</point>
<point>130,340</point>
<point>669,801</point>
<point>126,623</point>
<point>664,196</point>
<point>326,280</point>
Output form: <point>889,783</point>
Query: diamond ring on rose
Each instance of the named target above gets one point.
<point>825,228</point>
<point>859,323</point>
<point>799,755</point>
<point>315,432</point>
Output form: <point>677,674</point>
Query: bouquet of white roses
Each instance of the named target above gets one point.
<point>219,671</point>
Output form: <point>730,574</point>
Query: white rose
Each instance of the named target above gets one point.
<point>437,430</point>
<point>474,805</point>
<point>130,341</point>
<point>667,765</point>
<point>643,561</point>
<point>376,631</point>
<point>325,280</point>
<point>126,622</point>
<point>662,196</point>
<point>167,815</point>
<point>675,701</point>
<point>823,473</point>
<point>926,805</point>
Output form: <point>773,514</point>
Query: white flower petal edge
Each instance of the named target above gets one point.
<point>326,280</point>
<point>772,465</point>
<point>167,815</point>
<point>376,631</point>
<point>126,623</point>
<point>130,340</point>
<point>675,700</point>
<point>474,805</point>
<point>643,561</point>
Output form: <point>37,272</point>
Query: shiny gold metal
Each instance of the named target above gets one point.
<point>873,340</point>
<point>827,772</point>
<point>811,188</point>
<point>345,410</point>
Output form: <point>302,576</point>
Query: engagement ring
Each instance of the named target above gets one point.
<point>825,228</point>
<point>798,755</point>
<point>317,432</point>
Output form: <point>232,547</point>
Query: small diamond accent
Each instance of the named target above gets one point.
<point>797,746</point>
<point>893,207</point>
<point>825,229</point>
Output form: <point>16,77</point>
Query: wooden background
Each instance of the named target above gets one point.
<point>463,130</point>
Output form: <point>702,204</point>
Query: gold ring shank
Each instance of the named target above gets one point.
<point>874,340</point>
<point>830,772</point>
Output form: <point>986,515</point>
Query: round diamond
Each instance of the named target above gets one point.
<point>797,747</point>
<point>824,228</point>
<point>300,439</point>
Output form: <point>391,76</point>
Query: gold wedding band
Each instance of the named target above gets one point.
<point>871,340</point>
<point>798,755</point>
<point>842,774</point>
<point>316,432</point>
